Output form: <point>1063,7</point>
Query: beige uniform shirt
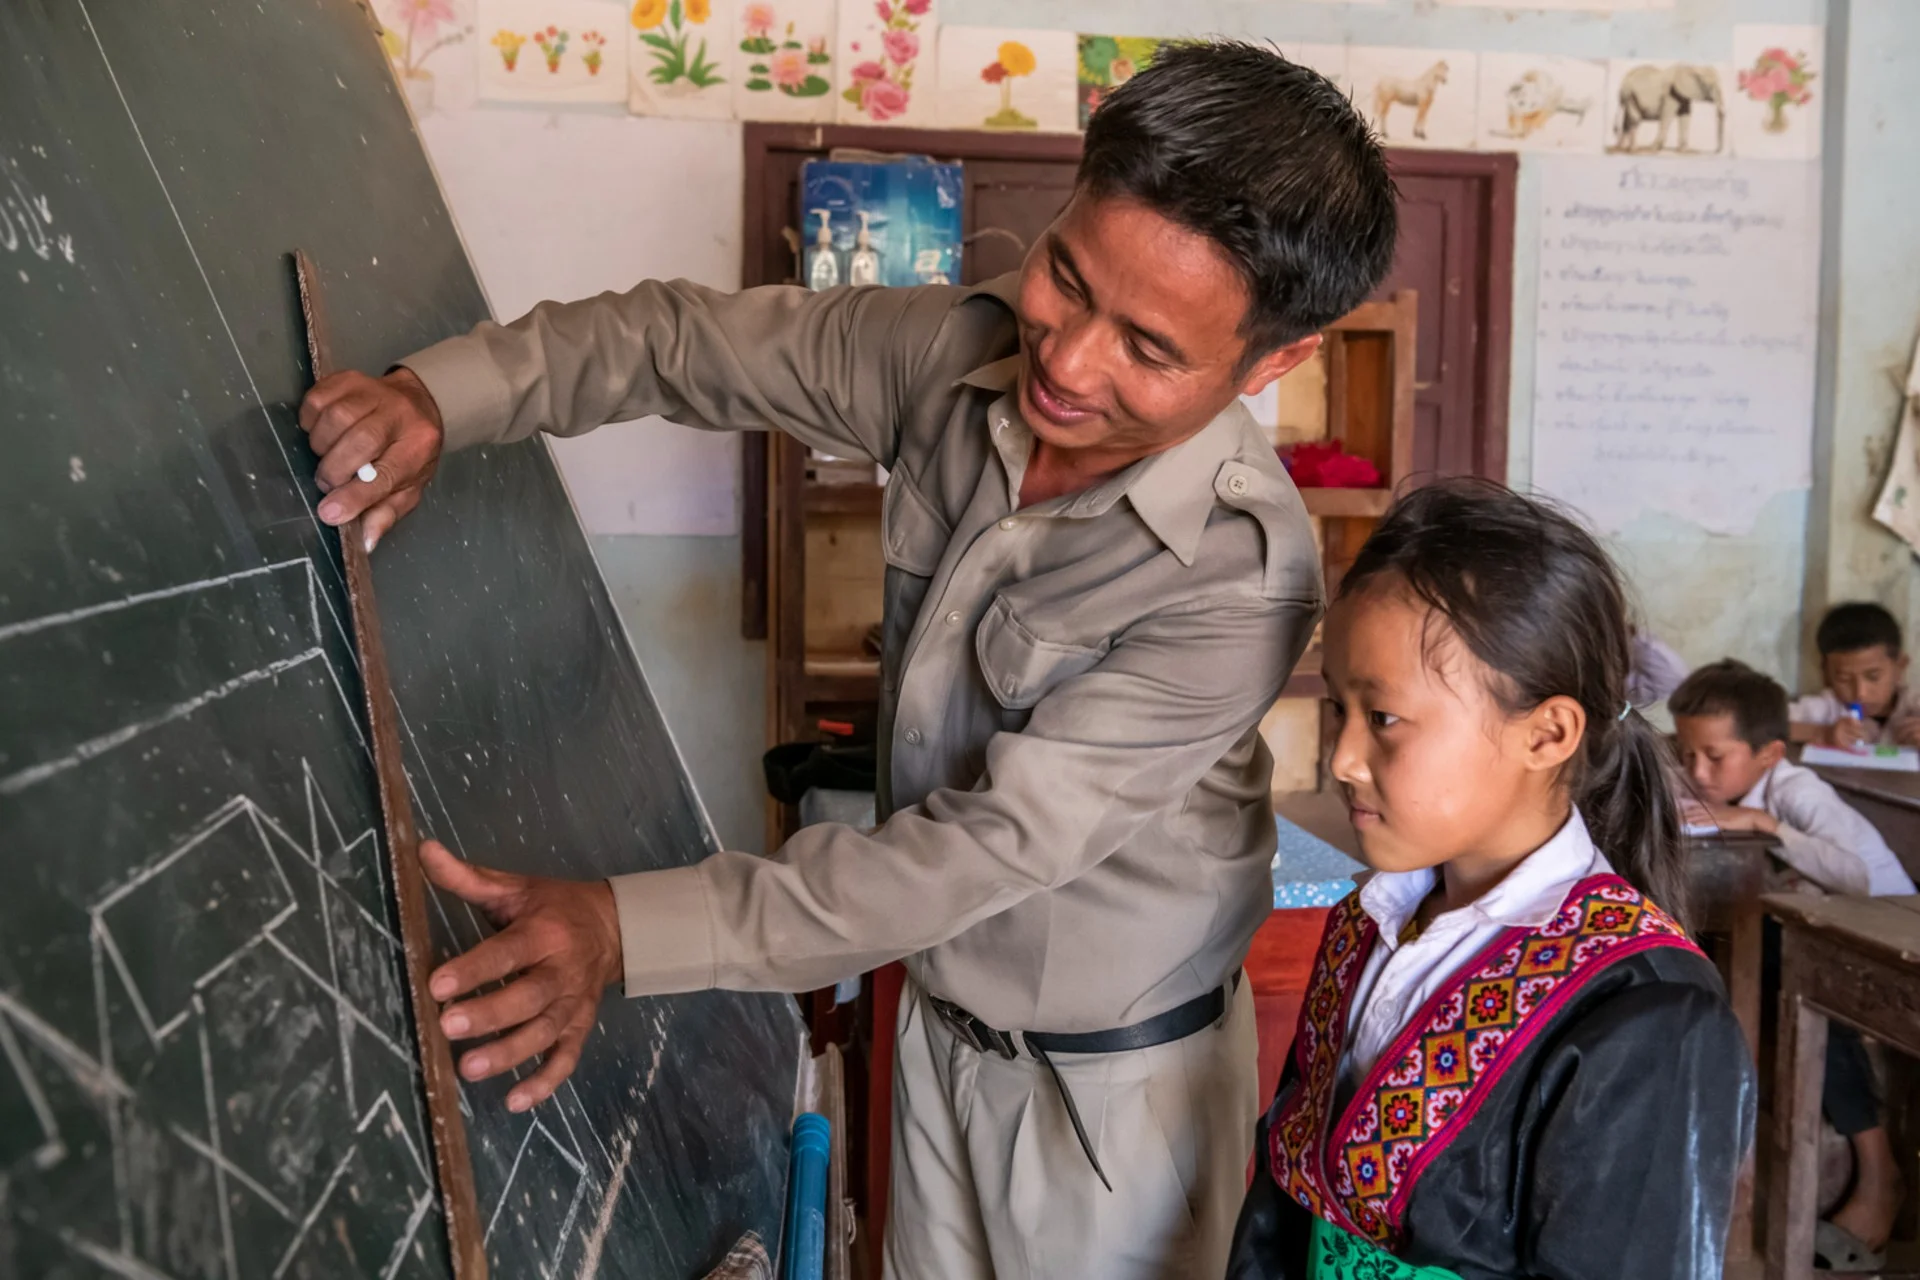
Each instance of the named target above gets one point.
<point>1077,832</point>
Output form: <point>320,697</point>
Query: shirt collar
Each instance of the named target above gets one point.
<point>1172,491</point>
<point>1530,896</point>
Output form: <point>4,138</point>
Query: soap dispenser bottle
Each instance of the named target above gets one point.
<point>823,268</point>
<point>864,266</point>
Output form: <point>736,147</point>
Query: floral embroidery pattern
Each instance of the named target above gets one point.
<point>1356,1173</point>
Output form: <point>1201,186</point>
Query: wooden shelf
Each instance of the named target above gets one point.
<point>1363,503</point>
<point>842,499</point>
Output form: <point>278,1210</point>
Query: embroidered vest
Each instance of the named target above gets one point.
<point>1357,1170</point>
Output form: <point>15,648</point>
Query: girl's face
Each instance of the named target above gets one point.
<point>1433,769</point>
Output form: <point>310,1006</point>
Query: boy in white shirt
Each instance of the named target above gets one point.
<point>1865,665</point>
<point>1731,726</point>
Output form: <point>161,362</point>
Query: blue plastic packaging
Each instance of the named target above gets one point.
<point>913,215</point>
<point>803,1254</point>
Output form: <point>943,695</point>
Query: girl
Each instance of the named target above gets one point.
<point>1511,1061</point>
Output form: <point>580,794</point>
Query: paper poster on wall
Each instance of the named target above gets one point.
<point>1416,97</point>
<point>552,51</point>
<point>1590,6</point>
<point>1679,108</point>
<point>1898,507</point>
<point>784,70</point>
<point>1107,62</point>
<point>430,43</point>
<point>887,70</point>
<point>1008,80</point>
<point>1674,361</point>
<point>1777,92</point>
<point>1538,102</point>
<point>683,56</point>
<point>1330,60</point>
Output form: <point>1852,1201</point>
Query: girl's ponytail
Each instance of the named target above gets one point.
<point>1626,797</point>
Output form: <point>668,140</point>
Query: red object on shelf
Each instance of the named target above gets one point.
<point>1327,465</point>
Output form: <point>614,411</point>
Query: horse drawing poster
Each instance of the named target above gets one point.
<point>1416,97</point>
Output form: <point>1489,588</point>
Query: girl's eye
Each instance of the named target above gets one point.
<point>1382,719</point>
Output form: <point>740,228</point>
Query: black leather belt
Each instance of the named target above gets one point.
<point>1176,1023</point>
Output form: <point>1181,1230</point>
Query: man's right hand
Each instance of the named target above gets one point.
<point>391,422</point>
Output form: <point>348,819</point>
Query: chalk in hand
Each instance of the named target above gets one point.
<point>367,472</point>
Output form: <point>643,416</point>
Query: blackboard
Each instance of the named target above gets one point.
<point>206,1065</point>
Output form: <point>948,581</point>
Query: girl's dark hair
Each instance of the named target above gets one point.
<point>1532,595</point>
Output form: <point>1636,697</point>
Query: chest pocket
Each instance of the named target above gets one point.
<point>913,537</point>
<point>1021,667</point>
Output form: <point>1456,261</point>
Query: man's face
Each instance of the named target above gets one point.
<point>1130,328</point>
<point>1868,678</point>
<point>1720,763</point>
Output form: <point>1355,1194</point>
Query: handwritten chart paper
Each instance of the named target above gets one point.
<point>1675,353</point>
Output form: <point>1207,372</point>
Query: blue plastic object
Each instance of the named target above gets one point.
<point>803,1255</point>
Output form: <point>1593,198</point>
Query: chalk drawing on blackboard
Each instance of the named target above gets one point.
<point>246,908</point>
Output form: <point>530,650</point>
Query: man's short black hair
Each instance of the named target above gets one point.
<point>1757,702</point>
<point>1849,628</point>
<point>1267,159</point>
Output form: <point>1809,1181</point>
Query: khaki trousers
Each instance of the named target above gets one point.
<point>990,1183</point>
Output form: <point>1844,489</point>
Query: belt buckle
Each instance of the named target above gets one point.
<point>972,1032</point>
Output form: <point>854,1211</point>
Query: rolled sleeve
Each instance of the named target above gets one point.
<point>666,931</point>
<point>1101,755</point>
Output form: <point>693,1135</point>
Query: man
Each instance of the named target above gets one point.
<point>1098,579</point>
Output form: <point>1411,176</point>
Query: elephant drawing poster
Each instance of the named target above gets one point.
<point>1777,92</point>
<point>1416,97</point>
<point>1672,108</point>
<point>1537,102</point>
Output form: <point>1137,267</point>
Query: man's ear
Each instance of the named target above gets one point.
<point>1271,365</point>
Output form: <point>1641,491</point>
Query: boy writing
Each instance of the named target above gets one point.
<point>1865,666</point>
<point>1731,725</point>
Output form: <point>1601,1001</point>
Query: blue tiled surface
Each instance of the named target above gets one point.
<point>1307,871</point>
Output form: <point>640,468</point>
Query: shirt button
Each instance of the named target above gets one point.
<point>1008,523</point>
<point>913,737</point>
<point>1237,486</point>
<point>953,619</point>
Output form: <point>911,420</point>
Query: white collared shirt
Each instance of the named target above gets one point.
<point>1823,837</point>
<point>1825,707</point>
<point>1400,977</point>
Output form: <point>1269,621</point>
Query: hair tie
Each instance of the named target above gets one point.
<point>1624,708</point>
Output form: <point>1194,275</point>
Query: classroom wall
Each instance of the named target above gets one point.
<point>566,203</point>
<point>1872,286</point>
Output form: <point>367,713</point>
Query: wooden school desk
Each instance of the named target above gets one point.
<point>1727,875</point>
<point>1890,801</point>
<point>1856,959</point>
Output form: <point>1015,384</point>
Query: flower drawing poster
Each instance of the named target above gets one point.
<point>430,43</point>
<point>886,65</point>
<point>683,59</point>
<point>552,51</point>
<point>1773,104</point>
<point>1008,81</point>
<point>1107,62</point>
<point>784,68</point>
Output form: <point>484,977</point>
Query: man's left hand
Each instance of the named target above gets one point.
<point>562,937</point>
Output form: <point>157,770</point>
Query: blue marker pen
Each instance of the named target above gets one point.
<point>1859,714</point>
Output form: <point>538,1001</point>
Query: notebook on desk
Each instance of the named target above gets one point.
<point>1897,759</point>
